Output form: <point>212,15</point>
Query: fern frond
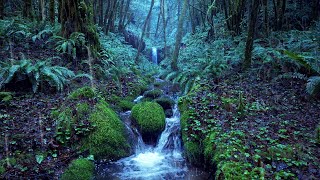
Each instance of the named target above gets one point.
<point>291,75</point>
<point>13,69</point>
<point>313,85</point>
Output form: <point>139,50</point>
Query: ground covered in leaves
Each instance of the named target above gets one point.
<point>250,127</point>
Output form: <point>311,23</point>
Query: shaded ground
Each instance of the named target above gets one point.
<point>276,120</point>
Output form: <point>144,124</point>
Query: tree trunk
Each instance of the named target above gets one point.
<point>1,9</point>
<point>164,27</point>
<point>59,10</point>
<point>143,31</point>
<point>266,17</point>
<point>121,14</point>
<point>51,11</point>
<point>279,10</point>
<point>210,20</point>
<point>251,31</point>
<point>174,62</point>
<point>158,22</point>
<point>316,10</point>
<point>76,17</point>
<point>27,9</point>
<point>101,13</point>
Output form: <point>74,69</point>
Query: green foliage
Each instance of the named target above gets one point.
<point>70,45</point>
<point>42,71</point>
<point>79,169</point>
<point>70,124</point>
<point>149,117</point>
<point>108,140</point>
<point>84,92</point>
<point>43,35</point>
<point>13,30</point>
<point>5,97</point>
<point>313,85</point>
<point>155,93</point>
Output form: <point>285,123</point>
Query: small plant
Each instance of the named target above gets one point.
<point>70,45</point>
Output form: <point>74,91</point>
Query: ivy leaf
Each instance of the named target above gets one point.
<point>39,158</point>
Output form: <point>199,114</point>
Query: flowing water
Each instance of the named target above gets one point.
<point>154,55</point>
<point>163,161</point>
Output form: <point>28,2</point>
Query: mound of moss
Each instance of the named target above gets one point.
<point>165,102</point>
<point>5,97</point>
<point>125,105</point>
<point>84,92</point>
<point>79,169</point>
<point>193,149</point>
<point>150,119</point>
<point>153,94</point>
<point>108,140</point>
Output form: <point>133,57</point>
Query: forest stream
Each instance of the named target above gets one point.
<point>162,161</point>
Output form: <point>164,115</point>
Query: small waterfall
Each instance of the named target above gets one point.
<point>154,55</point>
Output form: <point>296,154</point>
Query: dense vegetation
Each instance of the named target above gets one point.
<point>247,74</point>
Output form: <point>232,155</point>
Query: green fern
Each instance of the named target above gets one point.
<point>313,85</point>
<point>56,76</point>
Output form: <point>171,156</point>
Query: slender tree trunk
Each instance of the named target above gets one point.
<point>27,9</point>
<point>101,13</point>
<point>59,10</point>
<point>210,14</point>
<point>164,27</point>
<point>251,31</point>
<point>1,9</point>
<point>43,10</point>
<point>174,62</point>
<point>158,22</point>
<point>121,14</point>
<point>143,31</point>
<point>266,17</point>
<point>279,10</point>
<point>51,11</point>
<point>316,10</point>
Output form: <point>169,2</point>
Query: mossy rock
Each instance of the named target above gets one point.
<point>108,140</point>
<point>153,93</point>
<point>150,120</point>
<point>125,105</point>
<point>84,92</point>
<point>79,169</point>
<point>165,102</point>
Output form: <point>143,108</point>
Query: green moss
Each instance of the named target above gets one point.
<point>84,92</point>
<point>83,110</point>
<point>153,93</point>
<point>108,139</point>
<point>193,152</point>
<point>183,103</point>
<point>65,120</point>
<point>5,97</point>
<point>79,169</point>
<point>125,105</point>
<point>2,170</point>
<point>239,170</point>
<point>149,117</point>
<point>166,103</point>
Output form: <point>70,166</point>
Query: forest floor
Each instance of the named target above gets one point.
<point>276,127</point>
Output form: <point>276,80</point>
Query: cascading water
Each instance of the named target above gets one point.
<point>164,161</point>
<point>154,55</point>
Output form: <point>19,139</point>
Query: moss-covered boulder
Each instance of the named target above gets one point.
<point>125,105</point>
<point>79,169</point>
<point>153,94</point>
<point>165,102</point>
<point>150,120</point>
<point>108,140</point>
